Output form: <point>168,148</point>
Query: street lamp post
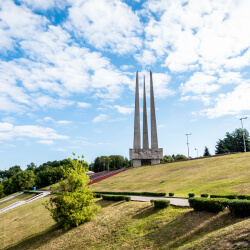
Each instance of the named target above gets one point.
<point>197,152</point>
<point>243,134</point>
<point>188,144</point>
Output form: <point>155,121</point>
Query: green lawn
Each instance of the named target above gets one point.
<point>21,197</point>
<point>119,225</point>
<point>219,175</point>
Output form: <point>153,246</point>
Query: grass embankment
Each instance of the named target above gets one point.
<point>120,225</point>
<point>219,175</point>
<point>21,197</point>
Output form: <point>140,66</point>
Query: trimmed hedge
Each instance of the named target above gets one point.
<point>171,194</point>
<point>116,197</point>
<point>213,205</point>
<point>97,195</point>
<point>231,197</point>
<point>190,195</point>
<point>204,195</point>
<point>132,193</point>
<point>160,203</point>
<point>244,197</point>
<point>239,208</point>
<point>127,198</point>
<point>31,192</point>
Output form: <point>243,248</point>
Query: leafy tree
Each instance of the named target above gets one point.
<point>206,152</point>
<point>23,180</point>
<point>179,157</point>
<point>173,156</point>
<point>74,202</point>
<point>1,190</point>
<point>8,187</point>
<point>111,162</point>
<point>31,166</point>
<point>167,158</point>
<point>233,142</point>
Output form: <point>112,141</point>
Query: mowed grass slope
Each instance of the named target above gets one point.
<point>122,225</point>
<point>228,174</point>
<point>21,197</point>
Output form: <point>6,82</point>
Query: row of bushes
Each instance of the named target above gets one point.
<point>116,197</point>
<point>238,208</point>
<point>132,193</point>
<point>31,192</point>
<point>190,195</point>
<point>231,197</point>
<point>160,203</point>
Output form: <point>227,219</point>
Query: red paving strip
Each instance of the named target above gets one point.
<point>9,206</point>
<point>106,176</point>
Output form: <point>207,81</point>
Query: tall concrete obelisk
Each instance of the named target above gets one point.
<point>154,138</point>
<point>145,120</point>
<point>137,131</point>
<point>146,155</point>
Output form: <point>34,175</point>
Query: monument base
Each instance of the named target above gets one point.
<point>141,157</point>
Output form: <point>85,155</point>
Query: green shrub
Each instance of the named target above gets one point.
<point>239,208</point>
<point>171,194</point>
<point>190,195</point>
<point>204,195</point>
<point>213,205</point>
<point>73,202</point>
<point>231,197</point>
<point>97,195</point>
<point>31,192</point>
<point>160,203</point>
<point>243,197</point>
<point>132,193</point>
<point>113,197</point>
<point>128,198</point>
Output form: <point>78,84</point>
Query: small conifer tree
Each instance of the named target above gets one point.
<point>206,152</point>
<point>73,202</point>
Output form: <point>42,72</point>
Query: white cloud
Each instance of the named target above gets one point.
<point>83,105</point>
<point>9,119</point>
<point>126,67</point>
<point>232,103</point>
<point>47,142</point>
<point>44,4</point>
<point>204,98</point>
<point>59,149</point>
<point>124,110</point>
<point>200,83</point>
<point>146,57</point>
<point>207,34</point>
<point>30,131</point>
<point>106,24</point>
<point>49,102</point>
<point>64,122</point>
<point>100,118</point>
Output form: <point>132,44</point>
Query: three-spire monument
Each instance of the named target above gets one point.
<point>145,155</point>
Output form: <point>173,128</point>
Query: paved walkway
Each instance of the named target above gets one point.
<point>19,203</point>
<point>181,202</point>
<point>10,197</point>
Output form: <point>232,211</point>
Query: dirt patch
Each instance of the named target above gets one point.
<point>20,218</point>
<point>241,243</point>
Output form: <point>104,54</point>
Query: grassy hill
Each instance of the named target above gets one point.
<point>137,225</point>
<point>228,174</point>
<point>123,225</point>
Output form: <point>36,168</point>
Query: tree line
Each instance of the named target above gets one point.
<point>15,179</point>
<point>109,163</point>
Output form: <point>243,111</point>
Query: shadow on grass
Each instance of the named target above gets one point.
<point>189,227</point>
<point>145,212</point>
<point>38,240</point>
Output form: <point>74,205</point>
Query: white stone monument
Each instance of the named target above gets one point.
<point>145,155</point>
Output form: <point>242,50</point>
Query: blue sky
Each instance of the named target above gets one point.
<point>67,75</point>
